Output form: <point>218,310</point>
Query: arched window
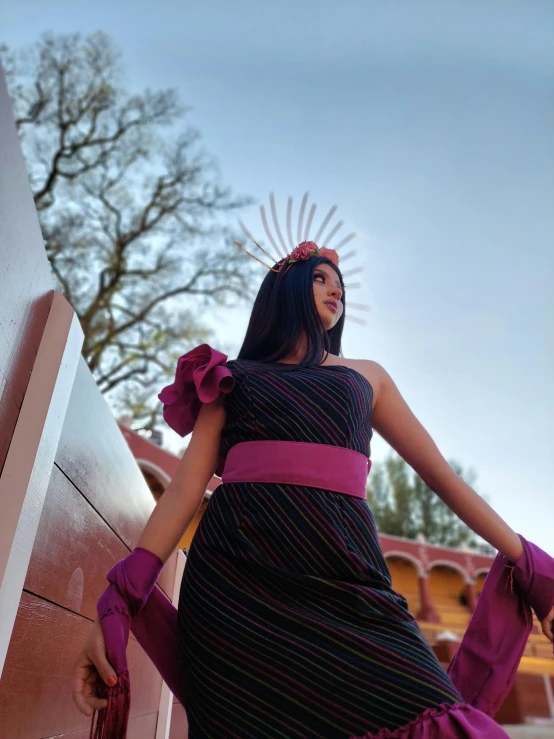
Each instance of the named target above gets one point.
<point>156,479</point>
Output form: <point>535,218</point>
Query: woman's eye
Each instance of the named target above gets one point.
<point>319,277</point>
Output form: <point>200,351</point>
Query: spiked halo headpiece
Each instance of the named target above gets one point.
<point>305,246</point>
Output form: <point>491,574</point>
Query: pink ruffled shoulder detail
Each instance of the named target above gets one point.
<point>445,722</point>
<point>201,377</point>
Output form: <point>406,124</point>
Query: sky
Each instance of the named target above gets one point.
<point>430,125</point>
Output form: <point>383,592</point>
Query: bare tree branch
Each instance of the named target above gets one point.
<point>132,211</point>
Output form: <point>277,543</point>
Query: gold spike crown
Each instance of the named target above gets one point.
<point>305,247</point>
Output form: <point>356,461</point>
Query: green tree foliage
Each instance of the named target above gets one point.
<point>131,210</point>
<point>403,505</point>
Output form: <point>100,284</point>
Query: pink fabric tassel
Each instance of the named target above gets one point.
<point>111,723</point>
<point>131,582</point>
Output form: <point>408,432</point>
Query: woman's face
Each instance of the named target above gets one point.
<point>327,295</point>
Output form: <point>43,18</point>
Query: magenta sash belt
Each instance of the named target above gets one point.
<point>322,466</point>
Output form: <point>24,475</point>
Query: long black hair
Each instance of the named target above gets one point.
<point>284,311</point>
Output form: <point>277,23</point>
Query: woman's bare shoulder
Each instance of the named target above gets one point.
<point>372,371</point>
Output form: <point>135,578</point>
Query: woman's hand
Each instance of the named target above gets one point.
<point>91,666</point>
<point>547,626</point>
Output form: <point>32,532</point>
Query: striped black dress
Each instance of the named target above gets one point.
<point>289,625</point>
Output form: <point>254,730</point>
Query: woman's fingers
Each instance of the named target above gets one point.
<point>91,666</point>
<point>84,684</point>
<point>89,694</point>
<point>105,670</point>
<point>547,626</point>
<point>95,649</point>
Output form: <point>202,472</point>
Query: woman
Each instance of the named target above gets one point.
<point>288,624</point>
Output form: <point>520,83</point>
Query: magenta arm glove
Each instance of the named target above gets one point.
<point>131,583</point>
<point>132,601</point>
<point>487,659</point>
<point>534,575</point>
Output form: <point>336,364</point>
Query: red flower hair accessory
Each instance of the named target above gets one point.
<point>278,252</point>
<point>303,251</point>
<point>329,254</point>
<point>308,249</point>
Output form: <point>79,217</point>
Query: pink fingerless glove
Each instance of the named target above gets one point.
<point>131,582</point>
<point>489,654</point>
<point>534,575</point>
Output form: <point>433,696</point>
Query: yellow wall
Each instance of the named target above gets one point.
<point>445,582</point>
<point>405,581</point>
<point>445,586</point>
<point>189,533</point>
<point>479,582</point>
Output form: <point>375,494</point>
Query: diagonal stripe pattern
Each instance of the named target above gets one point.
<point>289,625</point>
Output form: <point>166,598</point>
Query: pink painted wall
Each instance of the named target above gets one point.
<point>428,554</point>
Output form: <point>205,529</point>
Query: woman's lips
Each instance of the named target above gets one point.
<point>331,304</point>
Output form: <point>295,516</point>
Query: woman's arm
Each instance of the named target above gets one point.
<point>162,533</point>
<point>184,494</point>
<point>395,422</point>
